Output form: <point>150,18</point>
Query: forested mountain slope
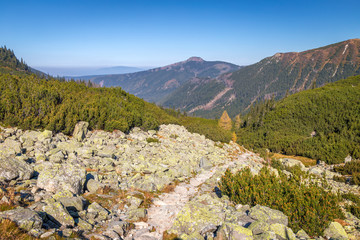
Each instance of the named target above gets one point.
<point>273,76</point>
<point>322,123</point>
<point>154,84</point>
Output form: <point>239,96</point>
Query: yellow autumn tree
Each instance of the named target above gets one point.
<point>234,137</point>
<point>237,122</point>
<point>225,121</point>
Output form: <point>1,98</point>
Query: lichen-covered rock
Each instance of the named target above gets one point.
<point>100,213</point>
<point>10,147</point>
<point>80,130</point>
<point>93,185</point>
<point>301,234</point>
<point>336,231</point>
<point>136,214</point>
<point>259,227</point>
<point>198,214</point>
<point>46,134</point>
<point>57,177</point>
<point>83,225</point>
<point>57,212</point>
<point>289,162</point>
<point>75,203</point>
<point>13,168</point>
<point>282,231</point>
<point>268,215</point>
<point>232,232</point>
<point>26,219</point>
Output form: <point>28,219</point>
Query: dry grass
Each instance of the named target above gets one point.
<point>10,231</point>
<point>170,236</point>
<point>306,161</point>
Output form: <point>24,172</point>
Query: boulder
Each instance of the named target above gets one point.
<point>301,234</point>
<point>93,185</point>
<point>57,212</point>
<point>268,215</point>
<point>289,162</point>
<point>233,231</point>
<point>282,231</point>
<point>45,135</point>
<point>259,227</point>
<point>80,130</point>
<point>26,219</point>
<point>57,177</point>
<point>11,147</point>
<point>13,168</point>
<point>72,203</point>
<point>205,163</point>
<point>136,214</point>
<point>336,231</point>
<point>99,212</point>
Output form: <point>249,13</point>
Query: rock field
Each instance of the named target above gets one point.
<point>101,185</point>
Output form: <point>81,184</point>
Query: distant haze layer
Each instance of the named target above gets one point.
<point>81,71</point>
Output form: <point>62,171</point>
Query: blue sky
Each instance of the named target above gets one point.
<point>155,33</point>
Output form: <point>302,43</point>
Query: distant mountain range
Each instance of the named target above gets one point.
<point>71,72</point>
<point>271,77</point>
<point>156,84</point>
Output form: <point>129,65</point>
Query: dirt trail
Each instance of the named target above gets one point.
<point>163,212</point>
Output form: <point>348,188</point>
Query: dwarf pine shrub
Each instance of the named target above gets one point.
<point>308,206</point>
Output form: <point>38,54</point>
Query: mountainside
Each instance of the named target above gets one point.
<point>273,76</point>
<point>322,123</point>
<point>154,84</point>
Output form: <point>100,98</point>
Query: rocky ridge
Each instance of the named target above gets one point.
<point>139,185</point>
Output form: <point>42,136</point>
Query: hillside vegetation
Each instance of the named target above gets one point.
<point>322,123</point>
<point>273,76</point>
<point>37,101</point>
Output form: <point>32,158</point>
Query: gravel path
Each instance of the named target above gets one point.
<point>162,213</point>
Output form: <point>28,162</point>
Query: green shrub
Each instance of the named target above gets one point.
<point>350,168</point>
<point>152,140</point>
<point>308,206</point>
<point>355,207</point>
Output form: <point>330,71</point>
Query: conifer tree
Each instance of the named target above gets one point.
<point>225,121</point>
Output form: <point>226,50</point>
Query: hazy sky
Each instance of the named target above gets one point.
<point>154,33</point>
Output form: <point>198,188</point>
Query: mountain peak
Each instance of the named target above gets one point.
<point>195,59</point>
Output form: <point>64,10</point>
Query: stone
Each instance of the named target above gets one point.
<point>136,214</point>
<point>26,219</point>
<point>336,231</point>
<point>268,215</point>
<point>283,231</point>
<point>100,212</point>
<point>11,146</point>
<point>46,134</point>
<point>57,177</point>
<point>93,185</point>
<point>13,168</point>
<point>73,203</point>
<point>57,212</point>
<point>301,234</point>
<point>259,227</point>
<point>233,231</point>
<point>83,225</point>
<point>80,130</point>
<point>134,202</point>
<point>205,163</point>
<point>289,162</point>
<point>348,159</point>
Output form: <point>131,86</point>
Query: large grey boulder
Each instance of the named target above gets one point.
<point>60,177</point>
<point>10,147</point>
<point>80,130</point>
<point>336,232</point>
<point>282,231</point>
<point>268,215</point>
<point>13,168</point>
<point>26,219</point>
<point>57,211</point>
<point>93,185</point>
<point>233,231</point>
